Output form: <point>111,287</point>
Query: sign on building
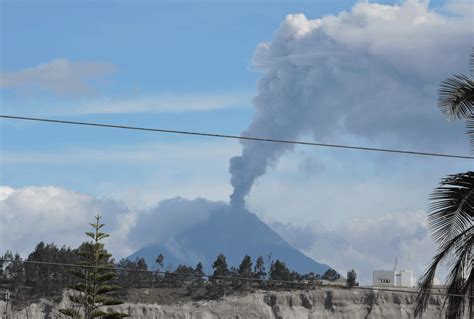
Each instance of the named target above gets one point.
<point>392,278</point>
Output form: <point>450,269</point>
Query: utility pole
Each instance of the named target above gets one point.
<point>7,298</point>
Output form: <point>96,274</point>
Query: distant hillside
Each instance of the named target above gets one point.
<point>233,233</point>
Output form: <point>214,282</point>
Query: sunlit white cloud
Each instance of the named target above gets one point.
<point>163,103</point>
<point>52,214</point>
<point>57,215</point>
<point>59,76</point>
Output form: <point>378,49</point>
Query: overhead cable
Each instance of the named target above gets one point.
<point>237,137</point>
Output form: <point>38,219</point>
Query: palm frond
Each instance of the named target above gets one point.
<point>456,97</point>
<point>470,130</point>
<point>70,313</point>
<point>460,273</point>
<point>426,281</point>
<point>452,207</point>
<point>468,288</point>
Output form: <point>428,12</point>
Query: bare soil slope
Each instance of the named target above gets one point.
<point>319,303</point>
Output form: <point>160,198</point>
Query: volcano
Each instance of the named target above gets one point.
<point>233,233</point>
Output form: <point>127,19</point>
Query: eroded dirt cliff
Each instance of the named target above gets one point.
<point>319,303</point>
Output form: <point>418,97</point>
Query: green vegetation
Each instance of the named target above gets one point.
<point>93,288</point>
<point>331,275</point>
<point>351,278</point>
<point>220,266</point>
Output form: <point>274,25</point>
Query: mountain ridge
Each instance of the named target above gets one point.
<point>233,232</point>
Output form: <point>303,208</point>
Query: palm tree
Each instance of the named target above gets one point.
<point>451,210</point>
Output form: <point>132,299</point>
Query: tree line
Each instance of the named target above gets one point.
<point>97,280</point>
<point>49,280</point>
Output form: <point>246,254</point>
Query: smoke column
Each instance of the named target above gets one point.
<point>367,72</point>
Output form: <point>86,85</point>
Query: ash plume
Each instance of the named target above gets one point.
<point>368,72</point>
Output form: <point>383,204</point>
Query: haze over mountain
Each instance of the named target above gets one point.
<point>234,233</point>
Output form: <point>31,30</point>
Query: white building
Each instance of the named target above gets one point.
<point>393,278</point>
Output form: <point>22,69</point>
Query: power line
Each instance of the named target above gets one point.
<point>232,278</point>
<point>248,138</point>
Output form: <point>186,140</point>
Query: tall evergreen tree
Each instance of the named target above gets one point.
<point>199,270</point>
<point>331,275</point>
<point>159,261</point>
<point>92,288</point>
<point>46,279</point>
<point>245,268</point>
<point>259,269</point>
<point>279,271</point>
<point>4,264</point>
<point>220,266</point>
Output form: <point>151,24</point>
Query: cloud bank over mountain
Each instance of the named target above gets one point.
<point>371,73</point>
<point>366,244</point>
<point>53,214</point>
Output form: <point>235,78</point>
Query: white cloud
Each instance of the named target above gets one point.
<point>163,222</point>
<point>5,191</point>
<point>51,214</point>
<point>59,76</point>
<point>163,103</point>
<point>366,244</point>
<point>142,103</point>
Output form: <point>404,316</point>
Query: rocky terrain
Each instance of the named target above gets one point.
<point>318,303</point>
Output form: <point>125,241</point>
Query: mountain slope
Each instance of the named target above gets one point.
<point>234,233</point>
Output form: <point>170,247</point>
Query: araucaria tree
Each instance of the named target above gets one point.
<point>92,287</point>
<point>450,221</point>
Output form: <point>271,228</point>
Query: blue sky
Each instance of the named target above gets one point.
<point>191,65</point>
<point>175,48</point>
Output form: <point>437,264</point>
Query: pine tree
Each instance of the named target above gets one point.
<point>279,271</point>
<point>92,287</point>
<point>331,275</point>
<point>199,271</point>
<point>245,268</point>
<point>259,269</point>
<point>159,261</point>
<point>220,266</point>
